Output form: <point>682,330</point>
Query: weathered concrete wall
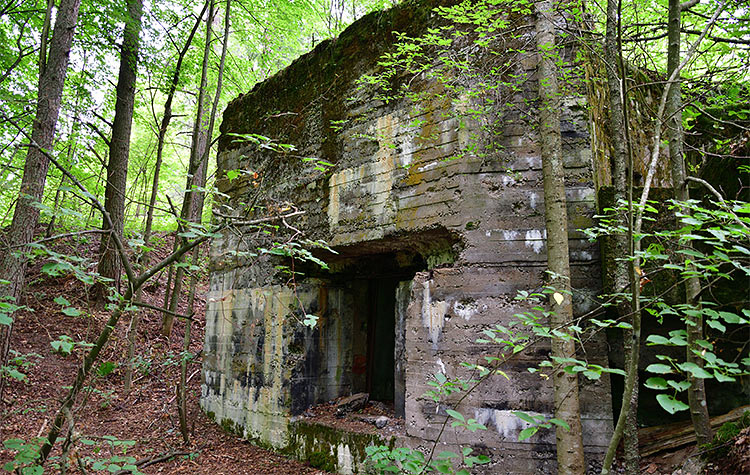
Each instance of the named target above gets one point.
<point>423,192</point>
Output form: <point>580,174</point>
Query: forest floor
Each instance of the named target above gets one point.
<point>148,414</point>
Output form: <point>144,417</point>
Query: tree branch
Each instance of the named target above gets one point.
<point>718,196</point>
<point>159,309</point>
<point>118,242</point>
<point>688,5</point>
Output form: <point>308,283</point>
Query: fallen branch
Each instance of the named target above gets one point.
<point>672,436</point>
<point>145,462</point>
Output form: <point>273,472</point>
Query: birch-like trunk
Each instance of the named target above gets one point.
<point>620,281</point>
<point>567,408</point>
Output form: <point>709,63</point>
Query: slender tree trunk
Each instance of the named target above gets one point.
<point>636,229</point>
<point>45,37</point>
<point>567,408</point>
<point>165,120</point>
<point>196,176</point>
<point>621,279</point>
<point>119,147</point>
<point>675,136</point>
<point>26,214</point>
<point>182,388</point>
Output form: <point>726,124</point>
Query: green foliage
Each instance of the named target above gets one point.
<point>18,364</point>
<point>537,421</point>
<point>7,309</point>
<point>25,455</point>
<point>64,345</point>
<point>710,243</point>
<point>408,461</point>
<point>116,460</point>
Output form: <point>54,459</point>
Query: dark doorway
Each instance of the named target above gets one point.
<point>381,331</point>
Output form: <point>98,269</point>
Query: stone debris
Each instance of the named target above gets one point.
<point>381,422</point>
<point>378,421</point>
<point>352,403</point>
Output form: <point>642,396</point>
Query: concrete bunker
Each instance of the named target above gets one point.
<point>437,219</point>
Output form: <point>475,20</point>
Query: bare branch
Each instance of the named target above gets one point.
<point>718,196</point>
<point>688,5</point>
<point>159,309</point>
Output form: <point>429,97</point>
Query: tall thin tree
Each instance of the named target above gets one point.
<point>620,281</point>
<point>567,407</point>
<point>182,388</point>
<point>161,139</point>
<point>196,176</point>
<point>119,147</point>
<point>675,137</point>
<point>26,214</point>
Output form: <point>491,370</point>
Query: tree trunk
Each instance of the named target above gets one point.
<point>675,136</point>
<point>196,176</point>
<point>26,214</point>
<point>620,281</point>
<point>165,120</point>
<point>182,388</point>
<point>45,37</point>
<point>569,443</point>
<point>119,147</point>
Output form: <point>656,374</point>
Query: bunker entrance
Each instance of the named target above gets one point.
<point>380,290</point>
<point>381,339</point>
<point>358,345</point>
<point>359,342</point>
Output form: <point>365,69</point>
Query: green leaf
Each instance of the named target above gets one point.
<point>524,417</point>
<point>723,378</point>
<point>61,301</point>
<point>5,319</point>
<point>15,374</point>
<point>659,368</point>
<point>71,311</point>
<point>704,344</point>
<point>448,455</point>
<point>105,368</point>
<point>717,325</point>
<point>670,404</point>
<point>593,375</point>
<point>455,415</point>
<point>561,423</point>
<point>657,340</point>
<point>695,370</point>
<point>681,386</point>
<point>730,317</point>
<point>232,174</point>
<point>527,432</point>
<point>656,383</point>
